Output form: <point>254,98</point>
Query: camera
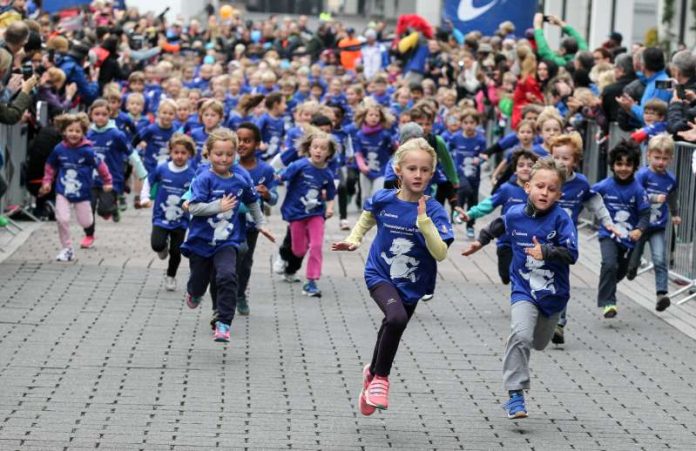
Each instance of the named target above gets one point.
<point>681,92</point>
<point>28,70</point>
<point>663,84</point>
<point>547,18</point>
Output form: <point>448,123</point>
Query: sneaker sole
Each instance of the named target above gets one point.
<point>610,314</point>
<point>518,415</point>
<point>557,340</point>
<point>191,305</point>
<point>376,406</point>
<point>365,408</point>
<point>222,340</point>
<point>662,305</point>
<point>311,295</point>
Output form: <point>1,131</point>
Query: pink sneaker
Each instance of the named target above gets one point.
<point>377,393</point>
<point>365,408</point>
<point>87,242</point>
<point>222,332</point>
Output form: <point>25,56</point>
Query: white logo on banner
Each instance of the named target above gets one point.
<point>467,11</point>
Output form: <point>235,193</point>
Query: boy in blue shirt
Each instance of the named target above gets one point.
<point>272,125</point>
<point>661,188</point>
<point>544,244</point>
<point>629,208</point>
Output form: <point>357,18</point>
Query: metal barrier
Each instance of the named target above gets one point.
<point>13,146</point>
<point>683,264</point>
<point>591,156</point>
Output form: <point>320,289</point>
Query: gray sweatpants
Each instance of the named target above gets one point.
<point>529,328</point>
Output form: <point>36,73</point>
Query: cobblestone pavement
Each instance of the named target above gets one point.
<point>96,354</point>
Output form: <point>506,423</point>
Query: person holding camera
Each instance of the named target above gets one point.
<point>569,45</point>
<point>12,111</point>
<point>657,84</point>
<point>682,108</point>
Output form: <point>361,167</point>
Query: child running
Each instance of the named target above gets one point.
<point>413,234</point>
<point>214,234</point>
<point>373,145</point>
<point>304,206</point>
<point>169,221</point>
<point>71,164</point>
<point>544,244</point>
<point>661,187</point>
<point>629,207</point>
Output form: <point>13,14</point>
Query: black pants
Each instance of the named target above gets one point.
<point>103,204</point>
<point>245,260</point>
<point>158,241</point>
<point>615,259</point>
<point>504,262</point>
<point>220,271</point>
<point>294,262</point>
<point>446,192</point>
<point>468,194</point>
<point>396,318</point>
<point>346,188</point>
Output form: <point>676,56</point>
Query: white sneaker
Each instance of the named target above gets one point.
<point>66,255</point>
<point>344,224</point>
<point>170,283</point>
<point>163,254</point>
<point>291,278</point>
<point>279,264</point>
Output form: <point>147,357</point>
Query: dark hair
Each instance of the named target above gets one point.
<point>254,129</point>
<point>653,59</point>
<point>570,45</point>
<point>273,99</point>
<point>625,149</point>
<point>319,120</point>
<point>523,153</point>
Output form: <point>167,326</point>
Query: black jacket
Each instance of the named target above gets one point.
<point>679,114</point>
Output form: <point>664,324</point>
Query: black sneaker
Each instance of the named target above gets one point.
<point>662,303</point>
<point>557,338</point>
<point>631,273</point>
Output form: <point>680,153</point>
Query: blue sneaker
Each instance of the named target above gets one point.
<point>470,232</point>
<point>310,289</point>
<point>222,332</point>
<point>515,407</point>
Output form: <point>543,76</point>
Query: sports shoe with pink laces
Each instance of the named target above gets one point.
<point>87,242</point>
<point>377,393</point>
<point>365,408</point>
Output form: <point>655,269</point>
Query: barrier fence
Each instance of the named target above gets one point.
<point>680,240</point>
<point>13,147</point>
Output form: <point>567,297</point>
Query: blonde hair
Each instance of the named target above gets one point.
<point>661,143</point>
<point>221,134</point>
<point>167,102</point>
<point>212,104</point>
<point>386,119</point>
<point>181,139</point>
<point>549,164</point>
<point>56,75</point>
<point>572,139</point>
<point>312,133</point>
<point>410,146</point>
<point>549,114</point>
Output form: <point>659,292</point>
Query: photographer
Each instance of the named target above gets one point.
<point>682,109</point>
<point>569,45</point>
<point>12,111</point>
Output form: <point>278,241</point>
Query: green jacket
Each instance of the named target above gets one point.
<point>11,113</point>
<point>444,157</point>
<point>545,53</point>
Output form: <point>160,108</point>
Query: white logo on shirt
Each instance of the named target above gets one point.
<point>401,266</point>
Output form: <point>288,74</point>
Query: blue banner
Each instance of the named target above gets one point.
<point>486,15</point>
<point>52,6</point>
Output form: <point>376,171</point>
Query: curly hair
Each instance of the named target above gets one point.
<point>66,120</point>
<point>312,133</point>
<point>219,135</point>
<point>386,119</point>
<point>627,150</point>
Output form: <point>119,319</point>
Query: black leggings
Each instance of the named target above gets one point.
<point>103,204</point>
<point>346,188</point>
<point>158,241</point>
<point>446,192</point>
<point>294,262</point>
<point>396,317</point>
<point>504,262</point>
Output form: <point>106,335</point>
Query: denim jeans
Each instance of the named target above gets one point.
<point>615,258</point>
<point>656,238</point>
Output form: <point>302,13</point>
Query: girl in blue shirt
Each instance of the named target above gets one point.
<point>72,164</point>
<point>373,145</point>
<point>544,244</point>
<point>210,113</point>
<point>629,208</point>
<point>304,206</point>
<point>413,234</point>
<point>661,187</point>
<point>169,220</point>
<point>214,233</point>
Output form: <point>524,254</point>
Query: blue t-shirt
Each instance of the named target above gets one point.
<point>398,254</point>
<point>625,202</point>
<point>305,183</point>
<point>508,195</point>
<point>74,167</point>
<point>574,193</point>
<point>543,283</point>
<point>290,153</point>
<point>272,133</point>
<point>262,174</point>
<point>466,153</point>
<point>235,119</point>
<point>172,182</point>
<point>113,149</point>
<point>376,148</point>
<point>511,140</point>
<point>536,148</point>
<point>157,149</point>
<point>208,234</point>
<point>655,183</point>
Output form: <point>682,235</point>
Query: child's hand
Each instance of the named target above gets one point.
<point>145,203</point>
<point>343,246</point>
<point>263,192</point>
<point>185,206</point>
<point>108,188</point>
<point>267,233</point>
<point>474,246</point>
<point>535,251</point>
<point>635,234</point>
<point>45,189</point>
<point>676,220</point>
<point>613,230</point>
<point>227,202</point>
<point>462,214</point>
<point>661,198</point>
<point>329,213</point>
<point>421,206</point>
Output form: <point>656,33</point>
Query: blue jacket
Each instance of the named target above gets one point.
<point>74,73</point>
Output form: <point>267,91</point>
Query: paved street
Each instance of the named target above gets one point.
<point>96,354</point>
